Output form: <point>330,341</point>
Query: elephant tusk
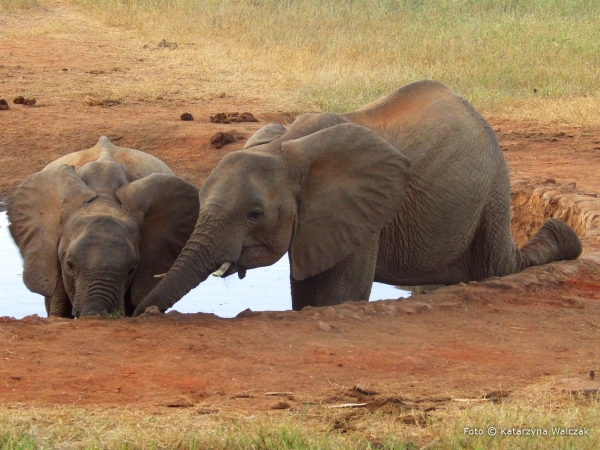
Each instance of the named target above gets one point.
<point>224,267</point>
<point>160,275</point>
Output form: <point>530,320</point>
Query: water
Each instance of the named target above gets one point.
<point>263,289</point>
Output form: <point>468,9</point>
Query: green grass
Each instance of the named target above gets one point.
<point>338,55</point>
<point>10,441</point>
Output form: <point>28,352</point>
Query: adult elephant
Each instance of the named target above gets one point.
<point>409,190</point>
<point>95,226</point>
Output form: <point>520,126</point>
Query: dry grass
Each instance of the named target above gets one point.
<point>540,407</point>
<point>331,55</point>
<point>525,59</point>
<point>17,5</point>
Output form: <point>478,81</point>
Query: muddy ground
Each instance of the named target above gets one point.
<point>460,341</point>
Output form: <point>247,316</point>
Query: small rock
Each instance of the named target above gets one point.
<point>187,117</point>
<point>3,104</point>
<point>330,313</point>
<point>325,326</point>
<point>152,311</point>
<point>378,306</point>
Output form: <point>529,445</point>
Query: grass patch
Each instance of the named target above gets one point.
<point>338,56</point>
<point>540,408</point>
<point>17,5</point>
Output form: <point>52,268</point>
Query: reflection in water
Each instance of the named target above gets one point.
<point>264,289</point>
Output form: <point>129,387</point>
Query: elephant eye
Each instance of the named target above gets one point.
<point>256,214</point>
<point>131,272</point>
<point>70,266</point>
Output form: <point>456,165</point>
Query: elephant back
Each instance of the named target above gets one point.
<point>140,164</point>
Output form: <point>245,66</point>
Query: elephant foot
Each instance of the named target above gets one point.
<point>555,241</point>
<point>569,244</point>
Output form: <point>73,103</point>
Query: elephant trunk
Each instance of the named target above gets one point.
<point>193,265</point>
<point>102,296</point>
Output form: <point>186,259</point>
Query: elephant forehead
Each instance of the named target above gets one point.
<point>105,176</point>
<point>244,169</point>
<point>100,228</point>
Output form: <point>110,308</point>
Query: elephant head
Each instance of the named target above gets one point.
<point>93,239</point>
<point>317,191</point>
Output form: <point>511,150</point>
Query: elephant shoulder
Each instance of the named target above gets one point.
<point>76,159</point>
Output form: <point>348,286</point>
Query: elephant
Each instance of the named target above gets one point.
<point>411,189</point>
<point>95,226</point>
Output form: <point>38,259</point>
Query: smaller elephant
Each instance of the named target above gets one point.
<point>95,226</point>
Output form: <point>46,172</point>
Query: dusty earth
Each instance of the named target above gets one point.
<point>473,340</point>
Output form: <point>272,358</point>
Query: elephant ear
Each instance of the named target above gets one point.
<point>354,183</point>
<point>34,212</point>
<point>265,135</point>
<point>169,208</point>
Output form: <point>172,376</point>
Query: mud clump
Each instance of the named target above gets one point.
<point>220,139</point>
<point>20,100</point>
<point>233,117</point>
<point>3,104</point>
<point>223,138</point>
<point>186,117</point>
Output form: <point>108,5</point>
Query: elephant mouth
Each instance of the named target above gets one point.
<point>229,268</point>
<point>251,257</point>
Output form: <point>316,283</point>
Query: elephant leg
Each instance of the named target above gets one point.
<point>349,280</point>
<point>555,241</point>
<point>494,253</point>
<point>59,304</point>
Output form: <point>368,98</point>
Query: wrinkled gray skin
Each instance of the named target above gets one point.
<point>95,226</point>
<point>409,190</point>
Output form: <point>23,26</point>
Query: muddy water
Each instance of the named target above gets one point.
<point>264,289</point>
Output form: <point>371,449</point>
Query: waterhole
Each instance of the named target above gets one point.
<point>263,289</point>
